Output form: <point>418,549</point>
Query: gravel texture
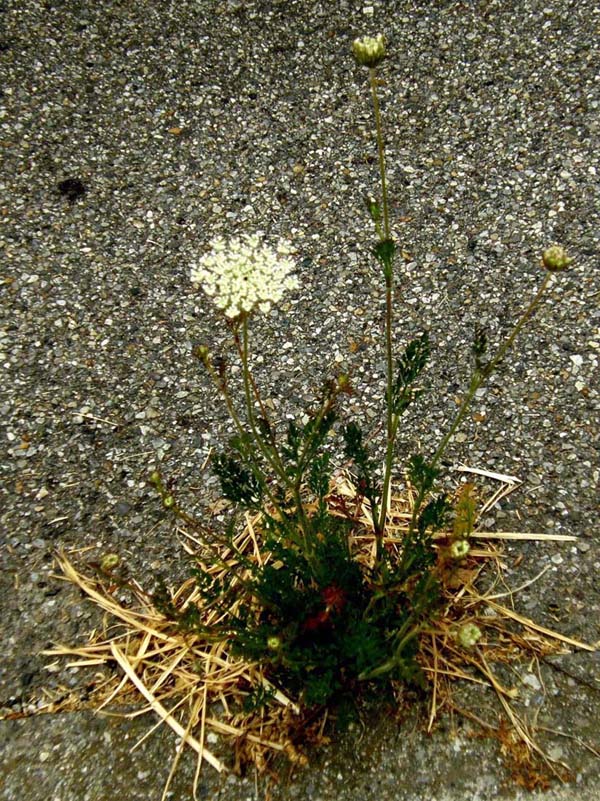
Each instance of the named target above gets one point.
<point>132,132</point>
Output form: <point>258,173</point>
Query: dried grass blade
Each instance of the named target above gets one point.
<point>510,593</point>
<point>523,536</point>
<point>134,619</point>
<point>178,753</point>
<point>162,712</point>
<point>202,733</point>
<point>167,672</point>
<point>279,696</point>
<point>528,623</point>
<point>237,731</point>
<point>434,670</point>
<point>478,471</point>
<point>158,723</point>
<point>83,662</point>
<point>112,695</point>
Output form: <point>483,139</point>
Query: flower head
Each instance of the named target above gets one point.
<point>469,635</point>
<point>459,549</point>
<point>110,561</point>
<point>244,273</point>
<point>555,259</point>
<point>369,51</point>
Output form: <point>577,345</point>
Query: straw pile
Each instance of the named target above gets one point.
<point>198,688</point>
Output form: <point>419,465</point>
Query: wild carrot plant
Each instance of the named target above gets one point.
<point>321,619</point>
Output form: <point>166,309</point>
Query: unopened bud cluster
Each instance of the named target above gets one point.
<point>555,259</point>
<point>110,561</point>
<point>369,51</point>
<point>459,549</point>
<point>469,635</point>
<point>167,499</point>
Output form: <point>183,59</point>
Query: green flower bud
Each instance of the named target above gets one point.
<point>555,259</point>
<point>469,635</point>
<point>344,383</point>
<point>155,478</point>
<point>459,549</point>
<point>373,209</point>
<point>110,561</point>
<point>369,51</point>
<point>202,353</point>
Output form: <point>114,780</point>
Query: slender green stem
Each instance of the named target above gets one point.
<point>271,444</point>
<point>391,426</point>
<point>380,151</point>
<point>480,376</point>
<point>253,384</point>
<point>212,542</point>
<point>303,461</point>
<point>269,452</point>
<point>307,453</point>
<point>254,465</point>
<point>392,663</point>
<point>221,386</point>
<point>416,508</point>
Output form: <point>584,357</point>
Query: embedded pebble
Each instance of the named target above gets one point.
<point>531,680</point>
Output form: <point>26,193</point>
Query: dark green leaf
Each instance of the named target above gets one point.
<point>479,347</point>
<point>413,360</point>
<point>421,474</point>
<point>242,444</point>
<point>294,441</point>
<point>435,515</point>
<point>408,368</point>
<point>316,431</point>
<point>355,449</point>
<point>258,698</point>
<point>318,478</point>
<point>384,253</point>
<point>265,429</point>
<point>237,483</point>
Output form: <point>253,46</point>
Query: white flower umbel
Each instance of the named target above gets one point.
<point>244,273</point>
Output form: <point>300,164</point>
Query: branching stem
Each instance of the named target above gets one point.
<point>481,376</point>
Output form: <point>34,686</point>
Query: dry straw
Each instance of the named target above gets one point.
<point>198,688</point>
